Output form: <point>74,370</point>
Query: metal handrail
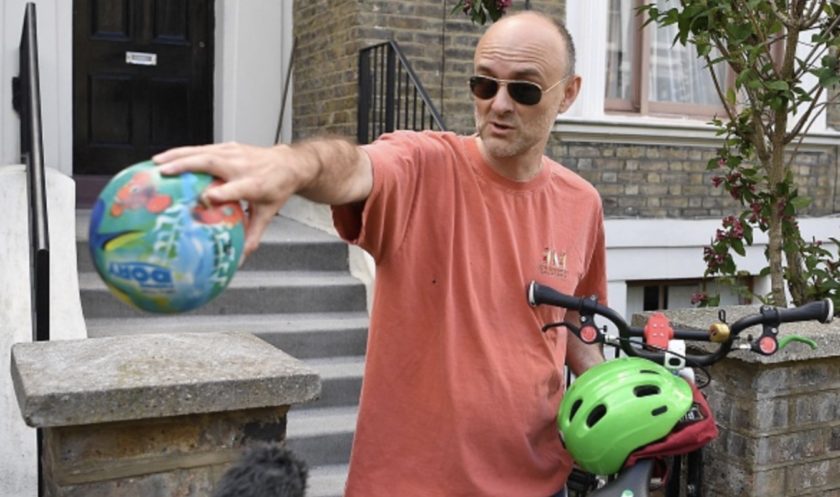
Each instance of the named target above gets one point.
<point>26,100</point>
<point>390,93</point>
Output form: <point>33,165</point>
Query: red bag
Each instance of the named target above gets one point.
<point>688,436</point>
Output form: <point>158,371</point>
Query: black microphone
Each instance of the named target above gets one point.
<point>265,470</point>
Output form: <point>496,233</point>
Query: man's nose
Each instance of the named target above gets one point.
<point>502,101</point>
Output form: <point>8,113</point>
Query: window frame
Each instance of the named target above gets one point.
<point>639,102</point>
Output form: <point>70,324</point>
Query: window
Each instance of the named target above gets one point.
<point>677,294</point>
<point>648,74</point>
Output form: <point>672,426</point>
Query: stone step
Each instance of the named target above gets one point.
<point>286,245</point>
<point>326,481</point>
<point>321,436</point>
<point>250,292</point>
<point>341,381</point>
<point>302,335</point>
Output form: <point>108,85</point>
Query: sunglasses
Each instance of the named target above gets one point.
<point>523,92</point>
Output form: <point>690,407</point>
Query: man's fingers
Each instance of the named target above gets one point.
<point>210,159</point>
<point>256,227</point>
<point>200,162</point>
<point>226,192</point>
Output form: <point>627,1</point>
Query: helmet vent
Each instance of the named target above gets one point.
<point>646,390</point>
<point>659,410</point>
<point>574,409</point>
<point>648,371</point>
<point>597,413</point>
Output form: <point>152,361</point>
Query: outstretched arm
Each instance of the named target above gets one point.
<point>329,171</point>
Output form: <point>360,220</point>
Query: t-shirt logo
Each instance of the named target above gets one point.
<point>553,263</point>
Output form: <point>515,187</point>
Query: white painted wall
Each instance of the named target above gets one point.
<point>253,49</point>
<point>18,470</point>
<point>55,40</point>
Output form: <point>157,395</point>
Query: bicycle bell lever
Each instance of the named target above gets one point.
<point>786,340</point>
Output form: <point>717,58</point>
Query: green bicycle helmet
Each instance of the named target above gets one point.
<point>617,407</point>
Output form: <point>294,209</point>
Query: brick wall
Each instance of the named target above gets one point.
<point>652,181</point>
<point>325,73</point>
<point>779,429</point>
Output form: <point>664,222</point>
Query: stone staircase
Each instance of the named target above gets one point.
<point>295,292</point>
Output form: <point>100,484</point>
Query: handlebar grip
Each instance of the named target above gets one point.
<point>539,294</point>
<point>822,311</point>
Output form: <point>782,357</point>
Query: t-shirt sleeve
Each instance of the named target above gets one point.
<point>379,224</point>
<point>594,279</point>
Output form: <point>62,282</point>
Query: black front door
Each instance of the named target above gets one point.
<point>142,80</point>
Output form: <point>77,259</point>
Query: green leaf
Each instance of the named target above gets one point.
<point>730,96</point>
<point>738,247</point>
<point>777,104</point>
<point>740,32</point>
<point>778,85</point>
<point>728,266</point>
<point>800,202</point>
<point>748,233</point>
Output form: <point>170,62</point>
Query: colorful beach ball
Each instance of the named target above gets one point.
<point>157,247</point>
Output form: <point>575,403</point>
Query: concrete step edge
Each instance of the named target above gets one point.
<point>327,480</point>
<point>256,279</point>
<point>338,367</point>
<point>305,423</point>
<point>252,323</point>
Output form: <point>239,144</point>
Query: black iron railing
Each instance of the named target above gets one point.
<point>390,94</point>
<point>26,100</point>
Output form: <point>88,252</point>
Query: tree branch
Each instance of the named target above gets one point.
<point>805,133</point>
<point>804,117</point>
<point>813,14</point>
<point>730,111</point>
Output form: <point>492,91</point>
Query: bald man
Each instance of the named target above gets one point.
<point>461,388</point>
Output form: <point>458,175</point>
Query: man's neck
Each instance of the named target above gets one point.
<point>522,168</point>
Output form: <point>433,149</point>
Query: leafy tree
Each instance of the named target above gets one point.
<point>482,10</point>
<point>767,114</point>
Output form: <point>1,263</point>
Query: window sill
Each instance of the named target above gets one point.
<point>657,131</point>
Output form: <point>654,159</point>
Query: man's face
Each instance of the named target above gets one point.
<point>524,49</point>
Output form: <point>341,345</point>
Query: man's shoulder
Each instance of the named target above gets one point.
<point>421,145</point>
<point>566,178</point>
<point>420,137</point>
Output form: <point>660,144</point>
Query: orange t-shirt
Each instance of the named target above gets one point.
<point>461,387</point>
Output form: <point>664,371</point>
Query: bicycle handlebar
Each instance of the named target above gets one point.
<point>769,317</point>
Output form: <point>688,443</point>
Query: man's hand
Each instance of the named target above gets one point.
<point>327,171</point>
<point>249,173</point>
<point>581,356</point>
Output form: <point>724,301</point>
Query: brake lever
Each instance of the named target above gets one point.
<point>588,333</point>
<point>564,324</point>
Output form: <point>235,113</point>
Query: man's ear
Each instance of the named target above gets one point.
<point>570,93</point>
